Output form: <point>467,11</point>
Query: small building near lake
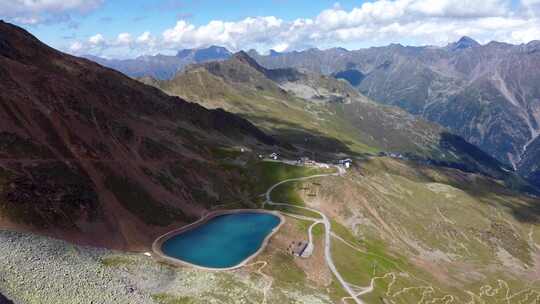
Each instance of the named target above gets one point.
<point>346,162</point>
<point>298,248</point>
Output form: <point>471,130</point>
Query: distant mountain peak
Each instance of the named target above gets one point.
<point>245,58</point>
<point>467,39</point>
<point>464,42</point>
<point>240,54</point>
<point>313,50</point>
<point>278,75</point>
<point>533,46</point>
<point>274,53</point>
<point>210,53</point>
<point>164,66</point>
<point>218,48</point>
<point>184,53</point>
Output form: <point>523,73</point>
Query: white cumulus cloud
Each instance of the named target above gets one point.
<point>76,47</point>
<point>39,11</point>
<point>378,22</point>
<point>460,8</point>
<point>123,39</point>
<point>145,37</point>
<point>229,34</point>
<point>97,39</point>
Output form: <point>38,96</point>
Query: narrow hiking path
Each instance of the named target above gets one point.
<point>259,271</point>
<point>327,225</point>
<point>311,246</point>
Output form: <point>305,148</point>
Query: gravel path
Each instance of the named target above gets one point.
<point>327,225</point>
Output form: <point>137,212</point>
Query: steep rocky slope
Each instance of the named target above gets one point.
<point>486,93</point>
<point>163,66</point>
<point>86,152</point>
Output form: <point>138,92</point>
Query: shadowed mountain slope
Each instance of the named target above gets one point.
<point>86,152</point>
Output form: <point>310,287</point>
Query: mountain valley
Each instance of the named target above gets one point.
<point>485,93</point>
<point>354,150</point>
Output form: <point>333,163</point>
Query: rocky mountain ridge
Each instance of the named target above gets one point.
<point>486,93</point>
<point>320,114</point>
<point>163,66</point>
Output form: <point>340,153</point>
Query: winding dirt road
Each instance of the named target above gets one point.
<point>327,225</point>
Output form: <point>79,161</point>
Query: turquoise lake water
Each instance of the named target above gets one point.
<point>224,241</point>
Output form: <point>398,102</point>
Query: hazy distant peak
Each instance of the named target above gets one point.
<point>313,50</point>
<point>245,58</point>
<point>243,55</point>
<point>274,53</point>
<point>464,43</point>
<point>205,54</point>
<point>341,49</point>
<point>533,46</point>
<point>218,49</point>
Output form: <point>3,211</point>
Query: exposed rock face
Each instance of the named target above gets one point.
<point>530,164</point>
<point>163,66</point>
<point>90,155</point>
<point>488,94</point>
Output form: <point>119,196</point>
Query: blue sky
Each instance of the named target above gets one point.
<point>115,17</point>
<point>123,28</point>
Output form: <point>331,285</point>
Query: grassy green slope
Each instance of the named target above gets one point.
<point>420,232</point>
<point>356,126</point>
<point>324,117</point>
<point>272,109</point>
<point>433,233</point>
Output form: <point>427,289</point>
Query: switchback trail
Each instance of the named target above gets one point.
<point>327,225</point>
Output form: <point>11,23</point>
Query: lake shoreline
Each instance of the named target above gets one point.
<point>160,256</point>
